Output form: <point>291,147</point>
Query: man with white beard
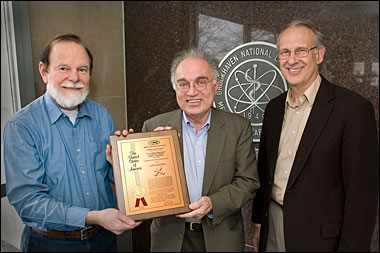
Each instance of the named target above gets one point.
<point>58,178</point>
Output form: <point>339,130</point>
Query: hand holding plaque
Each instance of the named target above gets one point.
<point>149,176</point>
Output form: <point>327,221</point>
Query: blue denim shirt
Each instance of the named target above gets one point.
<point>56,171</point>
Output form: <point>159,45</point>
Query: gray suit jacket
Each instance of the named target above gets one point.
<point>230,180</point>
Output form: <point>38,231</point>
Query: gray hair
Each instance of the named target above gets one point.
<point>193,53</point>
<point>318,36</point>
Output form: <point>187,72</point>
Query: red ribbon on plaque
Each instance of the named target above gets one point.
<point>142,200</point>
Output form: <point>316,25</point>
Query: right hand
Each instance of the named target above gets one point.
<point>256,238</point>
<point>112,220</point>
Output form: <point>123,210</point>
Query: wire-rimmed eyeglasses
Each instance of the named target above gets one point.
<point>199,84</point>
<point>300,52</point>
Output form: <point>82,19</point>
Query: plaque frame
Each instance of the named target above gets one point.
<point>124,199</point>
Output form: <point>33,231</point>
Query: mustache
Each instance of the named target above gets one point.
<point>72,85</point>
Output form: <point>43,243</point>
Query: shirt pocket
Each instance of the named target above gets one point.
<point>98,155</point>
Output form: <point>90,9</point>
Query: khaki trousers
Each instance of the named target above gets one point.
<point>276,241</point>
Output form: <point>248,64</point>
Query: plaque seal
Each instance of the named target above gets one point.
<point>139,194</point>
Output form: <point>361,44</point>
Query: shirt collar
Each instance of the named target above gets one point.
<point>187,121</point>
<point>84,109</point>
<point>55,112</point>
<point>310,94</point>
<point>52,108</point>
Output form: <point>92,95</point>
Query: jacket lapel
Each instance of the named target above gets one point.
<point>176,123</point>
<point>318,117</point>
<point>215,145</point>
<point>276,123</point>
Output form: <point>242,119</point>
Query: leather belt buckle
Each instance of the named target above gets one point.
<point>195,225</point>
<point>83,232</point>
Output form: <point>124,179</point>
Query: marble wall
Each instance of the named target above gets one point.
<point>156,31</point>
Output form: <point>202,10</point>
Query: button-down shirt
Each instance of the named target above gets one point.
<point>294,123</point>
<point>194,152</point>
<point>56,171</point>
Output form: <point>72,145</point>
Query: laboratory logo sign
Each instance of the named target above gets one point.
<point>249,78</point>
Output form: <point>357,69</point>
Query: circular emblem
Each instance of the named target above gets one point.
<point>139,192</point>
<point>249,78</point>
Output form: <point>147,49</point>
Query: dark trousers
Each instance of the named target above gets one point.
<point>32,241</point>
<point>193,241</point>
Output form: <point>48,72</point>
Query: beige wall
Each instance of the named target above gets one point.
<point>100,25</point>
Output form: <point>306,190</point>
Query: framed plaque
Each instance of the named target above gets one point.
<point>149,176</point>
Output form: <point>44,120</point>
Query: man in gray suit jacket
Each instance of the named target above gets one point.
<point>318,158</point>
<point>219,162</point>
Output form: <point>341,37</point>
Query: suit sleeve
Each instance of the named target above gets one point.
<point>145,127</point>
<point>148,126</point>
<point>360,168</point>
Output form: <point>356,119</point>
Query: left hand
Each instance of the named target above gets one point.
<point>199,209</point>
<point>256,238</point>
<point>161,128</point>
<point>108,147</point>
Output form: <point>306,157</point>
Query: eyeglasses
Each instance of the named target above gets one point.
<point>199,84</point>
<point>300,52</point>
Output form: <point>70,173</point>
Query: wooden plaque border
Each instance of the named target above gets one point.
<point>121,199</point>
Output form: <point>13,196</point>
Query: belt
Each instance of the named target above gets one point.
<point>194,226</point>
<point>83,234</point>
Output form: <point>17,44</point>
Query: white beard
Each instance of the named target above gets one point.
<point>72,99</point>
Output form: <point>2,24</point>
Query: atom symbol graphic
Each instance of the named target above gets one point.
<point>252,92</point>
